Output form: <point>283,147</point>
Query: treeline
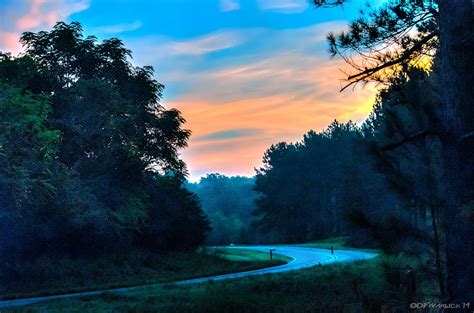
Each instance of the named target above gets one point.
<point>229,203</point>
<point>88,157</point>
<point>309,188</point>
<point>378,183</point>
<point>324,185</point>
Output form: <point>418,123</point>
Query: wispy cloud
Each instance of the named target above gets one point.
<point>205,44</point>
<point>47,13</point>
<point>283,6</point>
<point>229,5</point>
<point>116,28</point>
<point>164,52</point>
<point>34,16</point>
<point>283,87</point>
<point>230,134</point>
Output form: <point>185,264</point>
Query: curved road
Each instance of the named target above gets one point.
<point>301,258</point>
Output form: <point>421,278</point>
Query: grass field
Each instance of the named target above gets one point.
<point>57,276</point>
<point>338,243</point>
<point>355,287</point>
<point>242,255</point>
<point>364,286</point>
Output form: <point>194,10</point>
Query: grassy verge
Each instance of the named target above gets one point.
<point>338,243</point>
<point>349,287</point>
<point>48,276</point>
<point>364,286</point>
<point>242,255</point>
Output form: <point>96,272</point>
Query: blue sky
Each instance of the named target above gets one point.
<point>245,74</point>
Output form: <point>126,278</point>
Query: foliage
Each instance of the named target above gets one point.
<point>310,188</point>
<point>89,157</point>
<point>389,39</point>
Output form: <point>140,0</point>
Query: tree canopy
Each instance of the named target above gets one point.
<point>90,158</point>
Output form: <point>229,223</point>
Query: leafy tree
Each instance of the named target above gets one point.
<point>27,149</point>
<point>86,148</point>
<point>176,218</point>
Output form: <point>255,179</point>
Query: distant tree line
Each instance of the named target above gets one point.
<point>229,203</point>
<point>88,157</point>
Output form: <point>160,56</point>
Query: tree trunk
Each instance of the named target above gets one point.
<point>456,53</point>
<point>436,246</point>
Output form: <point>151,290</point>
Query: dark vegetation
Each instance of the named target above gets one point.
<point>89,166</point>
<point>89,161</point>
<point>47,276</point>
<point>403,181</point>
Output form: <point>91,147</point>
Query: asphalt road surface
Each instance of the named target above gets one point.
<point>301,258</point>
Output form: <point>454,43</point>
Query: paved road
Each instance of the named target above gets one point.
<point>302,258</point>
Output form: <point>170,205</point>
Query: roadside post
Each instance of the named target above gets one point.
<point>271,253</point>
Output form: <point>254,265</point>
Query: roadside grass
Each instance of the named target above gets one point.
<point>346,287</point>
<point>250,255</point>
<point>49,276</point>
<point>338,243</point>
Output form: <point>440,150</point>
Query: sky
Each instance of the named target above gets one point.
<point>244,73</point>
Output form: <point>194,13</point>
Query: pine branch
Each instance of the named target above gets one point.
<point>353,79</point>
<point>408,139</point>
<point>466,137</point>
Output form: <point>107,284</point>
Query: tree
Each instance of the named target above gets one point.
<point>385,41</point>
<point>412,106</point>
<point>308,189</point>
<point>27,151</point>
<point>113,148</point>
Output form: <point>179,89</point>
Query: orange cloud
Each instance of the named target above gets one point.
<point>284,92</point>
<point>9,41</point>
<point>284,116</point>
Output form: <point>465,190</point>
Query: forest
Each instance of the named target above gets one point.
<point>90,161</point>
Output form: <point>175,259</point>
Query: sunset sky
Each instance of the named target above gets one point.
<point>245,74</point>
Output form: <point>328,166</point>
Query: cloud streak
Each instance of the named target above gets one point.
<point>229,5</point>
<point>230,134</point>
<point>284,87</point>
<point>283,6</point>
<point>116,28</point>
<point>35,15</point>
